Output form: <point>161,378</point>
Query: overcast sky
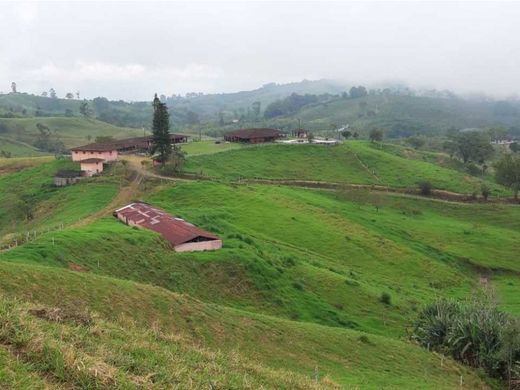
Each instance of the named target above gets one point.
<point>131,50</point>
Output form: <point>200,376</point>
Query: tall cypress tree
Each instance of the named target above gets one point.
<point>161,142</point>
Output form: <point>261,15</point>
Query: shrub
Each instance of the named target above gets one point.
<point>485,191</point>
<point>386,298</point>
<point>425,187</point>
<point>475,333</point>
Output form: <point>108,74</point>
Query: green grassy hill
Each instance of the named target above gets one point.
<point>354,162</point>
<point>294,294</point>
<point>73,131</point>
<point>405,115</point>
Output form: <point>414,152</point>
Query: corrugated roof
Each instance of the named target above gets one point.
<point>254,133</point>
<point>120,144</point>
<point>175,230</point>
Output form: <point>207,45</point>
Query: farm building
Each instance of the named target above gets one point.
<point>253,136</point>
<point>109,151</point>
<point>92,166</point>
<point>67,177</point>
<point>182,235</point>
<point>105,152</point>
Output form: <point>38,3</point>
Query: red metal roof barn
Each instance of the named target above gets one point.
<point>182,235</point>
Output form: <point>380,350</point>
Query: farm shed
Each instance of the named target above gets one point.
<point>109,150</point>
<point>183,236</point>
<point>66,177</point>
<point>253,136</point>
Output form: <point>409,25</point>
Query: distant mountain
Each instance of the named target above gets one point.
<point>320,105</point>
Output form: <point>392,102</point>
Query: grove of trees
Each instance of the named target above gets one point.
<point>507,172</point>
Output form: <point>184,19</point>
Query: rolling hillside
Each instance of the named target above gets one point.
<point>292,300</point>
<point>405,115</point>
<point>398,113</point>
<point>72,131</point>
<point>354,162</point>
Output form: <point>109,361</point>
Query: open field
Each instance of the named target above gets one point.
<point>357,162</point>
<point>72,131</point>
<point>138,330</point>
<point>303,254</point>
<point>29,201</point>
<point>18,149</point>
<point>15,164</point>
<point>298,283</point>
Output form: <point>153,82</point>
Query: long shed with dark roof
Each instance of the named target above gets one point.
<point>253,136</point>
<point>183,236</point>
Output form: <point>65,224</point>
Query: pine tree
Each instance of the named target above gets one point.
<point>161,142</point>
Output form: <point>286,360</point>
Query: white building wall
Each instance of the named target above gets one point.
<point>199,246</point>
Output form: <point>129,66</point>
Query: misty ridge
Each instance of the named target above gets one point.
<point>321,105</point>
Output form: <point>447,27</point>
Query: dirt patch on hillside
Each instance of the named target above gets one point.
<point>77,268</point>
<point>57,314</point>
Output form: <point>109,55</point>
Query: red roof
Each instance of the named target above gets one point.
<point>138,142</point>
<point>254,133</point>
<point>175,230</point>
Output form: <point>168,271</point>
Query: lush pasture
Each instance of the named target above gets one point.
<point>355,162</point>
<point>18,149</point>
<point>297,285</point>
<point>72,131</point>
<point>29,200</point>
<point>139,329</point>
<point>317,256</point>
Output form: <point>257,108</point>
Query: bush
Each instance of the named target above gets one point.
<point>485,191</point>
<point>425,187</point>
<point>473,332</point>
<point>386,298</point>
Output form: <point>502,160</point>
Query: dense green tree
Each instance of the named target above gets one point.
<point>161,142</point>
<point>289,105</point>
<point>473,146</point>
<point>415,141</point>
<point>346,134</point>
<point>357,92</point>
<point>47,141</point>
<point>376,135</point>
<point>69,95</point>
<point>507,172</point>
<point>450,147</point>
<point>52,93</point>
<point>13,87</point>
<point>84,109</point>
<point>514,147</point>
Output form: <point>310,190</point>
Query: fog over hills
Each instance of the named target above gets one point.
<point>225,47</point>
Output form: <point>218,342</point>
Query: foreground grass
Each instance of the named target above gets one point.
<point>356,162</point>
<point>144,336</point>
